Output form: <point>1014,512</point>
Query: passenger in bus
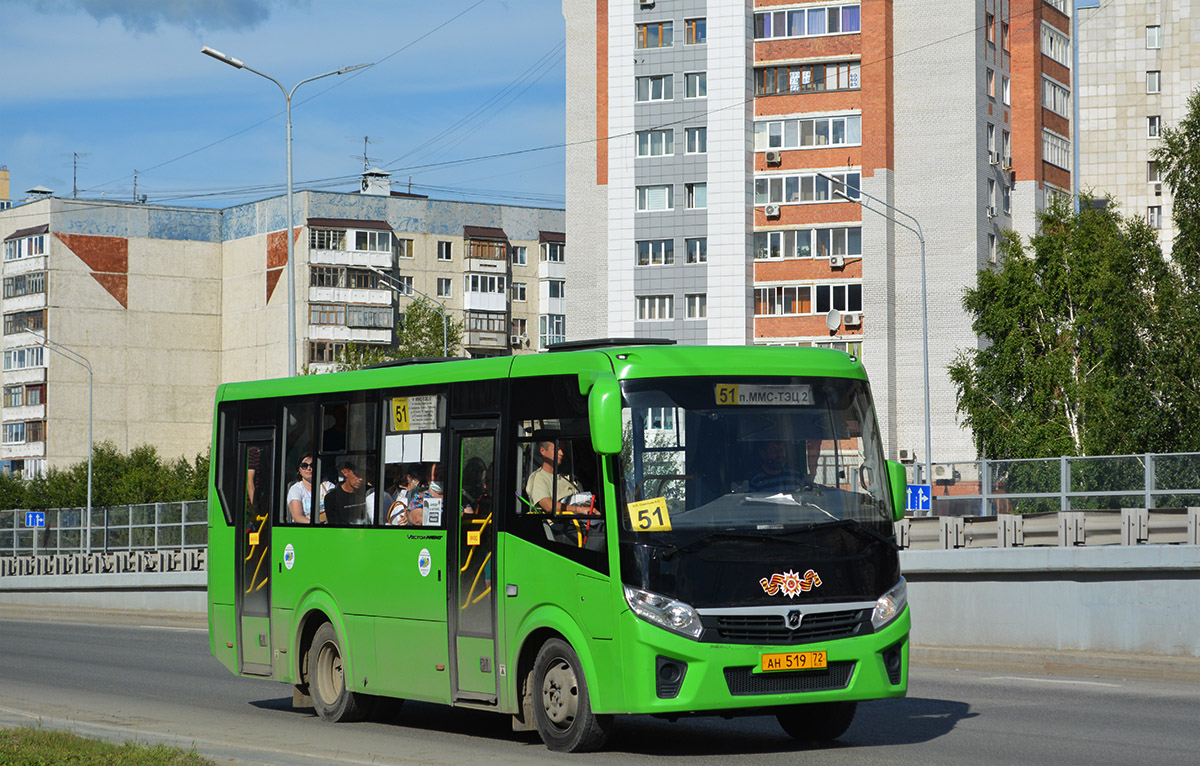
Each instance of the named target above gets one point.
<point>299,496</point>
<point>553,491</point>
<point>347,504</point>
<point>426,505</point>
<point>405,495</point>
<point>776,474</point>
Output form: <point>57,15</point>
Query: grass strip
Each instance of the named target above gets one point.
<point>29,746</point>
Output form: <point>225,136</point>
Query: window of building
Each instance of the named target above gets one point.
<point>35,431</point>
<point>653,308</point>
<point>991,247</point>
<point>370,317</point>
<point>696,84</point>
<point>25,247</point>
<point>443,287</point>
<point>20,321</point>
<point>1056,149</point>
<point>14,396</point>
<point>655,88</point>
<point>362,279</point>
<point>404,285</point>
<point>482,283</point>
<point>373,241</point>
<point>31,283</point>
<point>327,313</point>
<point>655,143</point>
<point>806,78</point>
<point>1006,198</point>
<point>991,83</point>
<point>656,252</point>
<point>1152,172</point>
<point>324,351</point>
<point>805,187</point>
<point>655,198</point>
<point>809,243</point>
<point>403,247</point>
<point>807,22</point>
<point>520,327</point>
<point>1007,149</point>
<point>518,291</point>
<point>24,358</point>
<point>991,138</point>
<point>35,395</point>
<point>697,140</point>
<point>697,306</point>
<point>1004,35</point>
<point>660,418</point>
<point>1006,91</point>
<point>697,249</point>
<point>1056,45</point>
<point>326,239</point>
<point>478,321</point>
<point>557,288</point>
<point>14,433</point>
<point>1154,81</point>
<point>1154,216</point>
<point>486,249</point>
<point>444,250</point>
<point>694,32</point>
<point>1061,5</point>
<point>552,328</point>
<point>1153,36</point>
<point>800,300</point>
<point>991,195</point>
<point>1153,126</point>
<point>1056,97</point>
<point>553,252</point>
<point>654,35</point>
<point>808,133</point>
<point>697,196</point>
<point>519,255</point>
<point>326,276</point>
<point>989,27</point>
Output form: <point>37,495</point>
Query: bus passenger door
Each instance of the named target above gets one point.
<point>470,498</point>
<point>256,484</point>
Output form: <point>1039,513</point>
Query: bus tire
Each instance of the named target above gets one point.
<point>561,708</point>
<point>817,722</point>
<point>326,681</point>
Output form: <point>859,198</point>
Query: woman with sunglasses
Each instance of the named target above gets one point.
<point>299,496</point>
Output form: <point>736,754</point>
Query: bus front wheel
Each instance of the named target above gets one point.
<point>817,722</point>
<point>327,682</point>
<point>561,707</point>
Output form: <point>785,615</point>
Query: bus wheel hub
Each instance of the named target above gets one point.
<point>560,694</point>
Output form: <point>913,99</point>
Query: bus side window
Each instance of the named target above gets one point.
<point>302,489</point>
<point>349,460</point>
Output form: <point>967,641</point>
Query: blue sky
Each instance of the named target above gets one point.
<point>123,83</point>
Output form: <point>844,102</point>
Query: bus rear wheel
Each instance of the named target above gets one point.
<point>817,722</point>
<point>561,708</point>
<point>327,682</point>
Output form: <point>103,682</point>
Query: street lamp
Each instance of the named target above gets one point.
<point>291,266</point>
<point>406,291</point>
<point>915,229</point>
<point>80,360</point>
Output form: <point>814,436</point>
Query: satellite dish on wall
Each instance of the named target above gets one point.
<point>833,320</point>
<point>364,184</point>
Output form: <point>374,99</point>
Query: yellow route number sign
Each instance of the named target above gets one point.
<point>400,413</point>
<point>650,515</point>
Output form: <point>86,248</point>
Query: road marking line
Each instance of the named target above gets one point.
<point>1052,681</point>
<point>174,627</point>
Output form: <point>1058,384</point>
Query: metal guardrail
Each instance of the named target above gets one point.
<point>151,527</point>
<point>1112,482</point>
<point>1123,526</point>
<point>122,562</point>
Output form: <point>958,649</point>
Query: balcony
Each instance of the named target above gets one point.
<point>380,260</point>
<point>345,334</point>
<point>27,412</point>
<point>483,339</point>
<point>23,450</point>
<point>349,295</point>
<point>485,301</point>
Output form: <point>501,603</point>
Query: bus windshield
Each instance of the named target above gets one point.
<point>762,456</point>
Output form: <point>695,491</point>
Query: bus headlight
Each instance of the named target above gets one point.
<point>890,605</point>
<point>665,612</point>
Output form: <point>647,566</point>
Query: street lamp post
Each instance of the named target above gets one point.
<point>915,229</point>
<point>405,291</point>
<point>291,266</point>
<point>82,361</point>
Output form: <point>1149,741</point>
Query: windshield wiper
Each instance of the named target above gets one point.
<point>743,536</point>
<point>853,525</point>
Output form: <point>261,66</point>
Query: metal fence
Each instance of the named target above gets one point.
<point>150,527</point>
<point>991,487</point>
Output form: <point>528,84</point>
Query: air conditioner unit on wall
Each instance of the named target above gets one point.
<point>994,157</point>
<point>837,261</point>
<point>1158,188</point>
<point>852,318</point>
<point>991,212</point>
<point>517,340</point>
<point>907,456</point>
<point>774,156</point>
<point>772,211</point>
<point>646,3</point>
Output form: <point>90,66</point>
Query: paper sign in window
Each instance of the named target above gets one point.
<point>650,515</point>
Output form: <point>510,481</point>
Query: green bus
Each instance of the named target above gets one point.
<point>610,527</point>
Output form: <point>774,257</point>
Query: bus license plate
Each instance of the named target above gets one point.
<point>794,661</point>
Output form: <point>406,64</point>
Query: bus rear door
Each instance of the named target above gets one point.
<point>256,484</point>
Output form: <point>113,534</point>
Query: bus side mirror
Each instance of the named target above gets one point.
<point>604,414</point>
<point>898,478</point>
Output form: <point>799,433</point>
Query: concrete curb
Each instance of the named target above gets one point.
<point>1060,663</point>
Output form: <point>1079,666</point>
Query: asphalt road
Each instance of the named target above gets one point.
<point>159,684</point>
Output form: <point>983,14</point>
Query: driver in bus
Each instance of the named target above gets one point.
<point>556,494</point>
<point>776,474</point>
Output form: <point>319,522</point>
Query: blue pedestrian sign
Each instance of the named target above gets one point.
<point>35,518</point>
<point>920,497</point>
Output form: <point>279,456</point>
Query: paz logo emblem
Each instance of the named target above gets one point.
<point>790,584</point>
<point>289,556</point>
<point>793,619</point>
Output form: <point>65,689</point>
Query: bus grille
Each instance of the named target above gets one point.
<point>743,681</point>
<point>770,629</point>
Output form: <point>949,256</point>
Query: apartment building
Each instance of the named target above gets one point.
<point>164,303</point>
<point>720,150</point>
<point>1138,64</point>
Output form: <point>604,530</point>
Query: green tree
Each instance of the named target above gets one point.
<point>420,333</point>
<point>1178,157</point>
<point>1073,327</point>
